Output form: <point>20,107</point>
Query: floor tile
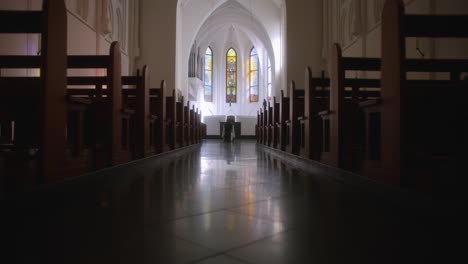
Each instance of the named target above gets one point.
<point>224,230</point>
<point>221,259</point>
<point>215,203</point>
<point>175,251</point>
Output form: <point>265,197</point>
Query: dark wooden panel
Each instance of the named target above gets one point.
<point>362,83</point>
<point>20,21</point>
<point>440,84</point>
<point>20,86</point>
<point>361,64</point>
<point>84,91</point>
<point>85,80</point>
<point>88,62</point>
<point>436,65</point>
<point>20,62</point>
<point>155,92</point>
<point>131,80</point>
<point>320,82</point>
<point>440,26</point>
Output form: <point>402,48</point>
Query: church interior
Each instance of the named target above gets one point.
<point>231,131</point>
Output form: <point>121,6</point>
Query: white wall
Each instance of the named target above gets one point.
<point>212,124</point>
<point>157,40</point>
<point>247,125</point>
<point>304,39</point>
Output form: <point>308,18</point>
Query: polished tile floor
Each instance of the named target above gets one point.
<point>217,203</point>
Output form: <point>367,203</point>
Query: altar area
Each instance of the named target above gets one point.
<point>244,126</point>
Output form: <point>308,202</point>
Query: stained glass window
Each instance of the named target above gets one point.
<point>208,76</point>
<point>253,75</point>
<point>231,76</point>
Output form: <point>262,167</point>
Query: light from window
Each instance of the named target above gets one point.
<point>231,76</point>
<point>208,76</point>
<point>253,76</point>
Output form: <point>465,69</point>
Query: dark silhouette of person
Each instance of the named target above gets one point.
<point>227,131</point>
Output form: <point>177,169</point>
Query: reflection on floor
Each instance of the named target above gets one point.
<point>215,203</point>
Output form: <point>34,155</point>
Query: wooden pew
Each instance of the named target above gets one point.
<point>296,110</point>
<point>192,125</point>
<point>269,124</point>
<point>203,131</point>
<point>343,122</point>
<point>38,108</point>
<point>195,125</point>
<point>372,156</point>
<point>170,121</point>
<point>75,131</point>
<point>203,128</point>
<point>187,123</point>
<point>284,121</point>
<point>157,109</point>
<point>6,132</point>
<point>257,128</point>
<point>198,126</point>
<point>110,139</point>
<point>137,97</point>
<point>316,99</point>
<point>265,123</point>
<point>136,109</point>
<point>276,123</point>
<point>179,126</point>
<point>419,142</point>
<point>261,127</point>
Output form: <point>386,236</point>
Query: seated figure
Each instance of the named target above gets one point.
<point>228,134</point>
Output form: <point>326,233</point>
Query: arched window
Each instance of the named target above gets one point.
<point>231,76</point>
<point>253,75</point>
<point>208,76</point>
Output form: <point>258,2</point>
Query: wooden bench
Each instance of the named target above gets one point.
<point>264,122</point>
<point>261,127</point>
<point>284,122</point>
<point>157,110</point>
<point>420,140</point>
<point>35,107</point>
<point>269,124</point>
<point>110,136</point>
<point>296,110</point>
<point>187,124</point>
<point>170,121</point>
<point>316,99</point>
<point>193,125</point>
<point>275,123</point>
<point>203,131</point>
<point>136,96</point>
<point>198,126</point>
<point>180,129</point>
<point>257,128</point>
<point>344,122</point>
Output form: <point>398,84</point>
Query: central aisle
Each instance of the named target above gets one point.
<point>218,203</point>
